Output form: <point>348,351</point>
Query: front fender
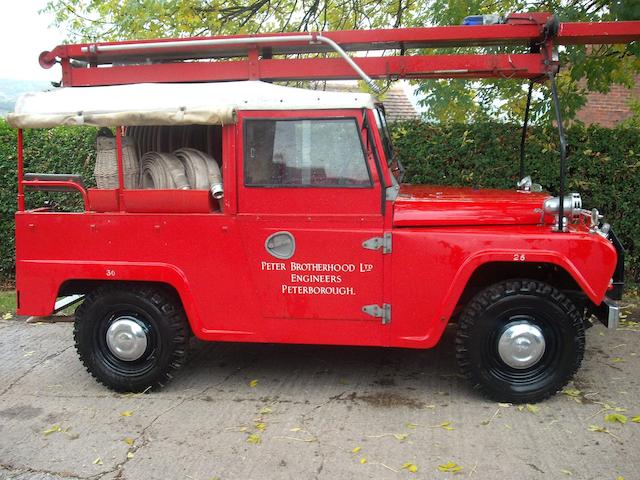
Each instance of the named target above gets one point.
<point>590,278</point>
<point>445,260</point>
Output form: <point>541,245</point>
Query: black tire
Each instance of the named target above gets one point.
<point>507,303</point>
<point>157,310</point>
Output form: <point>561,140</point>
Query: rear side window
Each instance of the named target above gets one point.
<point>304,153</point>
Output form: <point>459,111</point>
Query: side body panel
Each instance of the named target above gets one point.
<point>431,267</point>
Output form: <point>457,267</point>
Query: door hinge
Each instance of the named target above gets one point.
<point>383,312</point>
<point>376,242</point>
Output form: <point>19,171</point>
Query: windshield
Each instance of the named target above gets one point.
<point>392,161</point>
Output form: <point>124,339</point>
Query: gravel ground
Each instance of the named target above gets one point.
<point>239,411</point>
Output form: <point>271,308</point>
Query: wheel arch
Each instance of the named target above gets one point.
<point>66,278</point>
<point>84,286</point>
<point>483,270</point>
<point>490,273</point>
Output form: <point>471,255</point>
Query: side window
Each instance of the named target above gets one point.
<point>304,153</point>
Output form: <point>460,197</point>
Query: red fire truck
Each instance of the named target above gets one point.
<point>241,210</point>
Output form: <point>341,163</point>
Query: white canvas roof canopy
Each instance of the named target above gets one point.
<point>169,104</point>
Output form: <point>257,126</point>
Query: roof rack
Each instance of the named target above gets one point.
<point>268,56</point>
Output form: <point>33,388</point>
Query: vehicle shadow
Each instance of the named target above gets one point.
<point>283,369</point>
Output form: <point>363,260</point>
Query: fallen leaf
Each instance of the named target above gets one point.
<point>265,410</point>
<point>444,425</point>
<point>400,436</point>
<point>356,449</point>
<point>261,426</point>
<point>410,466</point>
<point>619,409</point>
<point>596,428</point>
<point>533,408</point>
<point>53,429</point>
<point>98,461</point>
<point>253,383</point>
<point>617,359</point>
<point>126,413</point>
<point>254,438</point>
<point>449,467</point>
<point>363,461</point>
<point>504,405</point>
<point>7,316</point>
<point>128,441</point>
<point>571,392</point>
<point>295,429</point>
<point>566,472</point>
<point>28,354</point>
<point>636,419</point>
<point>615,417</point>
<point>411,425</point>
<point>129,455</point>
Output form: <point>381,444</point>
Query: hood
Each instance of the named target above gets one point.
<point>428,205</point>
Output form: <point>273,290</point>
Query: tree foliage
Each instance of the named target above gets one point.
<point>591,69</point>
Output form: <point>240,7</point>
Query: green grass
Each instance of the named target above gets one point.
<point>7,302</point>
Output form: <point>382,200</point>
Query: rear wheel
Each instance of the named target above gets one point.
<point>131,338</point>
<point>520,341</point>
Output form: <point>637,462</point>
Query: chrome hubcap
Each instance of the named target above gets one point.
<point>126,339</point>
<point>521,345</point>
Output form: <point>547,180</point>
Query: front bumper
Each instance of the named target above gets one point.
<point>608,312</point>
<point>617,284</point>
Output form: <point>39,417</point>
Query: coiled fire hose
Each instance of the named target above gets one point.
<point>201,170</point>
<point>162,171</point>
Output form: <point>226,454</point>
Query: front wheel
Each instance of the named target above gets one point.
<point>131,338</point>
<point>520,341</point>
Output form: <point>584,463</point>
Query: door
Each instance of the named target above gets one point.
<point>310,203</point>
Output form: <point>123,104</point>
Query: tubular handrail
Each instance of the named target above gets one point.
<point>60,184</point>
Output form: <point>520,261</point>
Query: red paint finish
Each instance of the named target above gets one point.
<point>148,63</point>
<point>215,255</point>
<point>20,170</point>
<point>527,66</point>
<point>587,33</point>
<point>444,258</point>
<point>429,205</point>
<point>232,289</point>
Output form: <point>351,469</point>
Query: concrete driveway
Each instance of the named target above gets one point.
<point>278,411</point>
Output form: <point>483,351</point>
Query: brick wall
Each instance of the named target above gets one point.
<point>611,108</point>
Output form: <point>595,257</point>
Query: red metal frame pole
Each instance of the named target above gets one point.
<point>20,171</point>
<point>120,168</point>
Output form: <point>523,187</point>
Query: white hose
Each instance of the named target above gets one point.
<point>162,171</point>
<point>201,170</point>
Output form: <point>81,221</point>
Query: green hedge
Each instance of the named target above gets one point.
<point>58,150</point>
<point>603,163</point>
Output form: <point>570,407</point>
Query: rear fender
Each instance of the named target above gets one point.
<point>39,281</point>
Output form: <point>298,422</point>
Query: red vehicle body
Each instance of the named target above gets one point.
<point>377,263</point>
